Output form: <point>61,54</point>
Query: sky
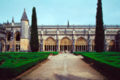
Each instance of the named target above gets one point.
<point>58,12</point>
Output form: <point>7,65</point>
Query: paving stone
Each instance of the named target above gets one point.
<point>64,66</point>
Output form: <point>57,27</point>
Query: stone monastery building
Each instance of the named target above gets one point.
<point>16,36</point>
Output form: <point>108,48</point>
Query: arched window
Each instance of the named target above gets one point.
<point>17,36</point>
<point>50,44</point>
<point>9,36</point>
<point>81,44</point>
<point>112,45</point>
<point>66,44</point>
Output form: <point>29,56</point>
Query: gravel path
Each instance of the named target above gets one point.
<point>64,67</point>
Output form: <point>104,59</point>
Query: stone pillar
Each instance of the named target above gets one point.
<point>41,45</point>
<point>58,47</point>
<point>105,47</point>
<point>73,44</point>
<point>12,47</point>
<point>90,46</point>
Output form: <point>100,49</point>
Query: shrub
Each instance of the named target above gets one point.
<point>109,58</point>
<point>18,62</point>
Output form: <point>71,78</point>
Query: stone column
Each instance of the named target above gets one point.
<point>58,47</point>
<point>12,41</point>
<point>105,46</point>
<point>89,46</point>
<point>73,44</point>
<point>41,45</point>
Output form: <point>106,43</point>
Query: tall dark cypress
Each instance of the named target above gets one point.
<point>34,42</point>
<point>99,33</point>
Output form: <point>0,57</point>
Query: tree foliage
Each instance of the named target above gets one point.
<point>34,42</point>
<point>99,33</point>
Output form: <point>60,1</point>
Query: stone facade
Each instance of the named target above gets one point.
<point>2,38</point>
<point>56,37</point>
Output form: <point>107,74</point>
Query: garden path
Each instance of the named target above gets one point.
<point>64,67</point>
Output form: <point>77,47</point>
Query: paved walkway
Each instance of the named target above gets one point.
<point>64,67</point>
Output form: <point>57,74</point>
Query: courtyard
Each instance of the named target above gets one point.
<point>64,66</point>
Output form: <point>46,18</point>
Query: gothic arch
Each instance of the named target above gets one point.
<point>50,44</point>
<point>66,44</point>
<point>112,45</point>
<point>50,41</point>
<point>17,41</point>
<point>81,44</point>
<point>81,41</point>
<point>17,36</point>
<point>65,41</point>
<point>9,35</point>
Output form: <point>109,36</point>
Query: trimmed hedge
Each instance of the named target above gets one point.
<point>15,63</point>
<point>79,53</point>
<point>109,58</point>
<point>49,52</point>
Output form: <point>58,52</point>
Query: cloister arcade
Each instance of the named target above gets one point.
<point>65,44</point>
<point>50,44</point>
<point>60,39</point>
<point>112,45</point>
<point>13,40</point>
<point>17,41</point>
<point>81,45</point>
<point>55,37</point>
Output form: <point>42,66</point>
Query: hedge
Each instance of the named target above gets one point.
<point>15,63</point>
<point>49,52</point>
<point>109,58</point>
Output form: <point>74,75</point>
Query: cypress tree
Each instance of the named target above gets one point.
<point>34,42</point>
<point>99,33</point>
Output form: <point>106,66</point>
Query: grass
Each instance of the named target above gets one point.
<point>109,58</point>
<point>14,63</point>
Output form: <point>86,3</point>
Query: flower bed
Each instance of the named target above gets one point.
<point>17,62</point>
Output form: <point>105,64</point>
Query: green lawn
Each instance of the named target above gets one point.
<point>14,63</point>
<point>109,58</point>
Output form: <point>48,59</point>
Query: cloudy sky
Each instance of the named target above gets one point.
<point>58,12</point>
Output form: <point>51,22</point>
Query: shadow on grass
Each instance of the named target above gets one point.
<point>109,72</point>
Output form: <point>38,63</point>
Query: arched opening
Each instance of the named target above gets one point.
<point>9,36</point>
<point>17,41</point>
<point>81,44</point>
<point>50,44</point>
<point>112,45</point>
<point>17,36</point>
<point>66,44</point>
<point>8,47</point>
